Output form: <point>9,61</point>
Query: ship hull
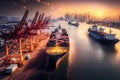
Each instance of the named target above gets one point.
<point>53,60</point>
<point>102,40</point>
<point>56,57</point>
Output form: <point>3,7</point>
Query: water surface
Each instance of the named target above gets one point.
<point>89,60</point>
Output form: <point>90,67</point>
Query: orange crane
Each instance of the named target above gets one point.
<point>14,36</point>
<point>29,30</point>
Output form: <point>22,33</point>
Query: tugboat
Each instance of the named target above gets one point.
<point>75,23</point>
<point>101,36</point>
<point>58,44</point>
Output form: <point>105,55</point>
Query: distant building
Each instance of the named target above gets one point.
<point>60,18</point>
<point>67,16</point>
<point>76,17</point>
<point>14,19</point>
<point>3,19</point>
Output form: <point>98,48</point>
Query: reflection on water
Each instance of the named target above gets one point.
<point>89,60</point>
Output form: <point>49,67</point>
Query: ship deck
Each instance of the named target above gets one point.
<point>57,50</point>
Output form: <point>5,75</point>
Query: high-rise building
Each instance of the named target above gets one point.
<point>119,17</point>
<point>67,16</point>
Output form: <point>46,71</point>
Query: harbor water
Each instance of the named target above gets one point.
<point>88,59</point>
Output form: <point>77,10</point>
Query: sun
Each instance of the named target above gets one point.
<point>100,13</point>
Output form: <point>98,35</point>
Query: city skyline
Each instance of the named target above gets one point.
<point>55,8</point>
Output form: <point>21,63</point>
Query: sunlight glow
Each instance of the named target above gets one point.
<point>56,50</point>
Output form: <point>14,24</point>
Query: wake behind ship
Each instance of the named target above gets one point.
<point>58,44</point>
<point>101,36</point>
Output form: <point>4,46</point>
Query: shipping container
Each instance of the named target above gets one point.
<point>11,68</point>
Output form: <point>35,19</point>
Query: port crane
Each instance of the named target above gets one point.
<point>35,31</point>
<point>22,36</point>
<point>12,39</point>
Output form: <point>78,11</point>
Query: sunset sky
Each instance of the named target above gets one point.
<point>56,8</point>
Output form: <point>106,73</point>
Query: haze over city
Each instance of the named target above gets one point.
<point>56,8</point>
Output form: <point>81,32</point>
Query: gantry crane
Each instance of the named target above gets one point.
<point>29,32</point>
<point>13,38</point>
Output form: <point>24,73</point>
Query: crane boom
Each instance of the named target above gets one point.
<point>22,22</point>
<point>35,19</point>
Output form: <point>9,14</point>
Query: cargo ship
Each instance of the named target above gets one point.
<point>101,36</point>
<point>75,23</point>
<point>58,44</point>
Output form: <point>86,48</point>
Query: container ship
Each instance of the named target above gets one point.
<point>75,23</point>
<point>101,36</point>
<point>58,44</point>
